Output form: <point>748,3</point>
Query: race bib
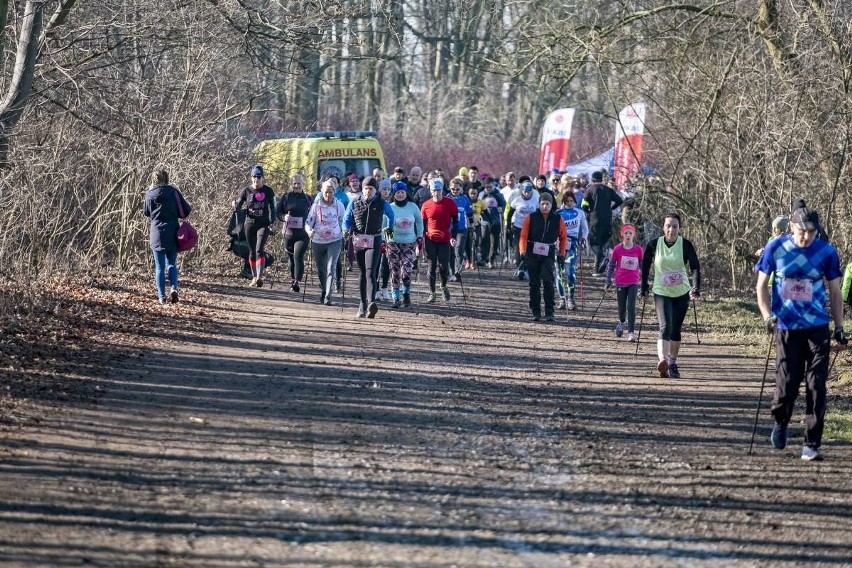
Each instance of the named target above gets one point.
<point>403,222</point>
<point>541,249</point>
<point>326,233</point>
<point>797,290</point>
<point>672,279</point>
<point>364,241</point>
<point>295,222</point>
<point>629,263</point>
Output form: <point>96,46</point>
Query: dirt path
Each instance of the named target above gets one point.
<point>446,435</point>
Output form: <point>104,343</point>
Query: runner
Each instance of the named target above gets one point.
<point>364,219</point>
<point>383,294</point>
<point>517,211</point>
<point>625,265</point>
<point>578,231</point>
<point>599,202</point>
<point>797,314</point>
<point>259,200</point>
<point>441,224</point>
<point>457,257</point>
<point>292,210</point>
<point>541,234</point>
<point>325,228</point>
<point>491,221</point>
<point>670,255</point>
<point>473,232</point>
<point>402,245</point>
<point>353,194</point>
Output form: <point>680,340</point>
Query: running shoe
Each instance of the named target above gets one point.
<point>372,309</point>
<point>430,299</point>
<point>631,337</point>
<point>561,305</point>
<point>810,453</point>
<point>174,295</point>
<point>674,372</point>
<point>406,300</point>
<point>619,329</point>
<point>572,305</point>
<point>446,292</point>
<point>663,368</point>
<point>295,286</point>
<point>397,303</point>
<point>549,318</point>
<point>779,437</point>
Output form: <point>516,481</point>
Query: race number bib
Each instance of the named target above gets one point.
<point>672,279</point>
<point>295,222</point>
<point>541,249</point>
<point>797,290</point>
<point>403,223</point>
<point>326,233</point>
<point>364,241</point>
<point>629,263</point>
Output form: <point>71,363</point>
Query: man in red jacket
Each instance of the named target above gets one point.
<point>440,223</point>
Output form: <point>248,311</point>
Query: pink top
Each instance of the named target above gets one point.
<point>628,264</point>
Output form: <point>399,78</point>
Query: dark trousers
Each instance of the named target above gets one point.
<point>541,270</point>
<point>516,241</point>
<point>368,266</point>
<point>670,313</point>
<point>598,240</point>
<point>256,236</point>
<point>627,305</point>
<point>802,354</point>
<point>490,242</point>
<point>439,258</point>
<point>296,245</point>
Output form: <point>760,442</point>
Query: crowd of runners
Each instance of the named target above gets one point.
<point>536,230</point>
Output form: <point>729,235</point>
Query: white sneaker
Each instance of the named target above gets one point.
<point>386,294</point>
<point>631,337</point>
<point>452,278</point>
<point>809,453</point>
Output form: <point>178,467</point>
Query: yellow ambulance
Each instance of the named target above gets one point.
<point>316,155</point>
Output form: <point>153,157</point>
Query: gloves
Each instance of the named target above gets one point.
<point>644,290</point>
<point>560,259</point>
<point>609,282</point>
<point>694,293</point>
<point>770,323</point>
<point>839,336</point>
<point>388,233</point>
<point>383,248</point>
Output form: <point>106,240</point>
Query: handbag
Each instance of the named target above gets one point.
<point>187,236</point>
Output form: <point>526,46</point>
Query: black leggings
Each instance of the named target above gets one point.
<point>670,313</point>
<point>296,245</point>
<point>256,235</point>
<point>627,305</point>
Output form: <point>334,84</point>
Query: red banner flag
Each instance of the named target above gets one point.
<point>629,132</point>
<point>555,139</point>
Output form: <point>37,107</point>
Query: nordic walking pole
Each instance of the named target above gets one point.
<point>641,319</point>
<point>695,313</point>
<point>760,397</point>
<point>592,319</point>
<point>345,274</point>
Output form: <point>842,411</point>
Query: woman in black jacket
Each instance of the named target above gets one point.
<point>259,200</point>
<point>292,210</point>
<point>165,205</point>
